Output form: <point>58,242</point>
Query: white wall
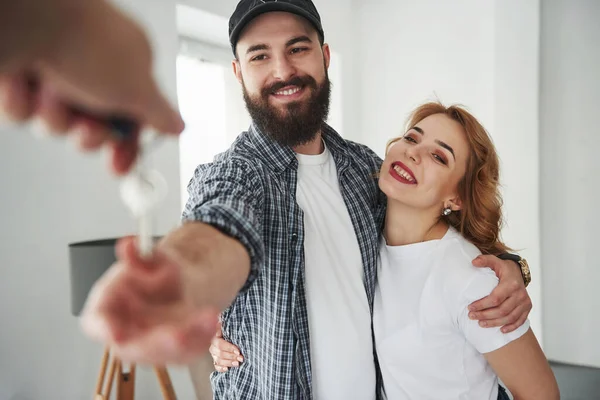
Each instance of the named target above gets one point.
<point>482,54</point>
<point>47,202</point>
<point>570,97</point>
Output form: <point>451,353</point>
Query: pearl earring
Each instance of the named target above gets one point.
<point>447,211</point>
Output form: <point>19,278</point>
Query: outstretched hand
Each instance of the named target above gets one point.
<point>143,310</point>
<point>91,65</point>
<point>509,303</point>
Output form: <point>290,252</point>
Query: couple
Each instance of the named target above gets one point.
<point>328,272</point>
<point>443,210</point>
<point>286,237</point>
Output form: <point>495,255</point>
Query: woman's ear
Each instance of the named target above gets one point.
<point>455,204</point>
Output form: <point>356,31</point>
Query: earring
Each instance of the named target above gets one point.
<point>447,211</point>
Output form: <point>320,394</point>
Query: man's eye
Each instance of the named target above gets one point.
<point>298,50</point>
<point>259,58</point>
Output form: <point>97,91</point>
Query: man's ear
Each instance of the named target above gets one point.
<point>326,55</point>
<point>237,70</point>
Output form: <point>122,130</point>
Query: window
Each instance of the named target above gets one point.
<point>211,105</point>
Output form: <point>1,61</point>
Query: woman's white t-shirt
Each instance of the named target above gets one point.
<point>428,348</point>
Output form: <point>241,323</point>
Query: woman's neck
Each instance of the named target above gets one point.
<point>405,225</point>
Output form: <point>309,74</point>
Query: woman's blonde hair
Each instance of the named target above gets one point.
<point>480,218</point>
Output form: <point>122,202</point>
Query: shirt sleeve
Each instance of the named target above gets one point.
<point>484,340</point>
<point>227,196</point>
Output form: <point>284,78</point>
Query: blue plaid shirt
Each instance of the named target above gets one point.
<point>249,192</point>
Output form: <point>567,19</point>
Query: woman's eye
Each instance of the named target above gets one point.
<point>409,139</point>
<point>440,159</point>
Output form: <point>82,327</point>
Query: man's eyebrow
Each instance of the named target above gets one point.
<point>257,47</point>
<point>298,39</point>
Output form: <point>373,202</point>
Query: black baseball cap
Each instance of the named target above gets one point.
<point>247,10</point>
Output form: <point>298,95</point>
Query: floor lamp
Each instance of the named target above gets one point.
<point>88,262</point>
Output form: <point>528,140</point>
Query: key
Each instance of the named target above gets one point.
<point>141,191</point>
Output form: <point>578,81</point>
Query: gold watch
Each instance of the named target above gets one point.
<point>525,272</point>
<point>523,265</point>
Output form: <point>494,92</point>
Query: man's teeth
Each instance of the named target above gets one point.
<point>287,92</point>
<point>403,173</point>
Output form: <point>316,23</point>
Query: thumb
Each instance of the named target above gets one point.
<point>158,113</point>
<point>486,261</point>
<point>219,332</point>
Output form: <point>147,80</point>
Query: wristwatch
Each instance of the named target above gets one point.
<point>523,265</point>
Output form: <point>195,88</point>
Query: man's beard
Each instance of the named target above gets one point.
<point>302,120</point>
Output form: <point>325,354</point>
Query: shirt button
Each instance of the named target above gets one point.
<point>294,237</point>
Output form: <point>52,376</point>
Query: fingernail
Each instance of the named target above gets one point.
<point>504,330</point>
<point>472,315</point>
<point>235,364</point>
<point>483,324</point>
<point>39,128</point>
<point>237,353</point>
<point>240,359</point>
<point>6,122</point>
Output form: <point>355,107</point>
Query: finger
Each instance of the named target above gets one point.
<point>221,369</point>
<point>497,297</point>
<point>88,134</point>
<point>509,319</point>
<point>124,152</point>
<point>51,115</point>
<point>497,312</point>
<point>158,112</point>
<point>512,327</point>
<point>220,362</point>
<point>487,261</point>
<point>225,350</point>
<point>16,99</point>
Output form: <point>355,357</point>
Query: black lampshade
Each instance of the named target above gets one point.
<point>88,261</point>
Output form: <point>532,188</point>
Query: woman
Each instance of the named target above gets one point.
<point>444,209</point>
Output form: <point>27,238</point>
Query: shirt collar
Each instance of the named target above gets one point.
<point>282,157</point>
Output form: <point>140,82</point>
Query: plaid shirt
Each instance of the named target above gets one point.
<point>249,192</point>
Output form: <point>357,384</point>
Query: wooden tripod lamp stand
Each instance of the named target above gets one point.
<point>126,380</point>
<point>88,262</point>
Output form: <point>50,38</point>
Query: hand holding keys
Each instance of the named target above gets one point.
<point>142,190</point>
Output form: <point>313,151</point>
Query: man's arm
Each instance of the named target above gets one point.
<point>216,266</point>
<point>164,309</point>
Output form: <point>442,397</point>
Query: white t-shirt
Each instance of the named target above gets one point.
<point>339,318</point>
<point>428,347</point>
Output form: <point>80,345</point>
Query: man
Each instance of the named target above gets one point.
<point>74,66</point>
<point>281,233</point>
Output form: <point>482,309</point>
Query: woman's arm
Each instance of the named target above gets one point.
<point>523,368</point>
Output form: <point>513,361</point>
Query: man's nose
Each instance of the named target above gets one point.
<point>283,69</point>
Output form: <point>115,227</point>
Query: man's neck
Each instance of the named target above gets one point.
<point>312,148</point>
<point>405,225</point>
